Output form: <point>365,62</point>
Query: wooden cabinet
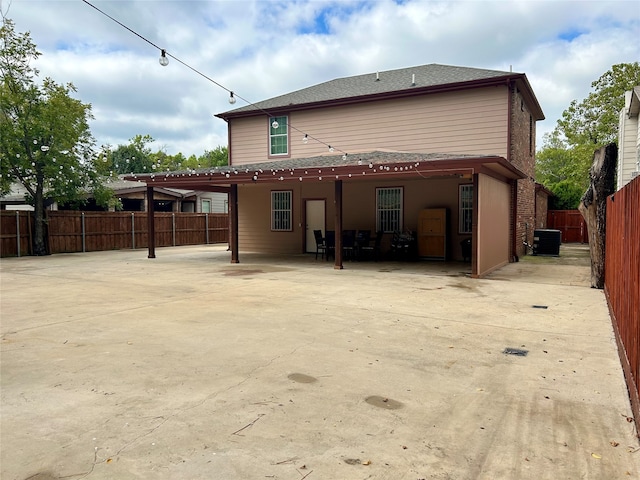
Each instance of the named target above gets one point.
<point>432,234</point>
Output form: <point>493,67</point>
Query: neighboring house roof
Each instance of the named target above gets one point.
<point>391,83</point>
<point>385,164</point>
<point>120,187</point>
<point>16,195</point>
<point>632,103</point>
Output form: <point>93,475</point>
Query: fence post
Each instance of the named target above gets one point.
<point>18,230</point>
<point>133,231</point>
<point>206,227</point>
<point>173,228</point>
<point>84,249</point>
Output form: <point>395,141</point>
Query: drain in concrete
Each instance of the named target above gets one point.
<point>540,306</point>
<point>302,378</point>
<point>383,402</point>
<point>519,352</point>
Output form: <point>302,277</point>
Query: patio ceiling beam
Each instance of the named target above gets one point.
<point>253,174</point>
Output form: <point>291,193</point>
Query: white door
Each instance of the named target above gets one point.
<point>315,221</point>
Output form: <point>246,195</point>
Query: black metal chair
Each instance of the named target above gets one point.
<point>321,247</point>
<point>330,243</point>
<point>363,237</point>
<point>348,243</point>
<point>401,245</point>
<point>373,250</point>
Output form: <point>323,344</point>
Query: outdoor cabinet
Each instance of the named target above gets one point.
<point>432,234</point>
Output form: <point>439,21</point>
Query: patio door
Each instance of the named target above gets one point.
<point>314,217</point>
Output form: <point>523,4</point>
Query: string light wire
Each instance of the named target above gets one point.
<point>232,93</point>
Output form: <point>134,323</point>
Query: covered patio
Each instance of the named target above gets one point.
<point>492,177</point>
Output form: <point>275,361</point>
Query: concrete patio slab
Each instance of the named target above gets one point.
<point>115,366</point>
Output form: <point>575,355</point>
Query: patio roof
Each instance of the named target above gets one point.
<point>352,167</point>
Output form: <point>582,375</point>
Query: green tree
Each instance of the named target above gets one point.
<point>217,157</point>
<point>135,157</point>
<point>45,141</point>
<point>563,163</point>
<point>594,120</point>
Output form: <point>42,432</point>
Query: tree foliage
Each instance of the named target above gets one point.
<point>138,157</point>
<point>45,140</point>
<point>563,163</point>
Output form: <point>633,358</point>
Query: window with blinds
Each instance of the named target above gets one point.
<point>281,211</point>
<point>278,135</point>
<point>389,209</point>
<point>465,208</point>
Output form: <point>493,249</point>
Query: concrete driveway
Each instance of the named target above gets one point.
<point>115,366</point>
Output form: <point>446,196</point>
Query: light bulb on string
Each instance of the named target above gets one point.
<point>305,139</point>
<point>164,61</point>
<point>275,124</point>
<point>330,148</point>
<point>232,99</point>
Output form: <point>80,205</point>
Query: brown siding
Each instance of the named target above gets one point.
<point>465,122</point>
<point>522,155</point>
<point>255,234</point>
<point>493,224</point>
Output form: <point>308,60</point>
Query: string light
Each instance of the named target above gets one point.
<point>164,61</point>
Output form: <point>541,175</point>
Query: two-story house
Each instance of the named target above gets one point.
<point>379,151</point>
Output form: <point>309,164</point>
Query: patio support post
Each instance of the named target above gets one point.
<point>233,219</point>
<point>474,229</point>
<point>18,230</point>
<point>151,226</point>
<point>338,226</point>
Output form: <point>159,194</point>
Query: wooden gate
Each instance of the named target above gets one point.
<point>570,223</point>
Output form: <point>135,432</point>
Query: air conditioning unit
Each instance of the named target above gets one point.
<point>547,242</point>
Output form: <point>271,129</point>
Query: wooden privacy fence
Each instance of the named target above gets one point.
<point>570,223</point>
<point>72,231</point>
<point>622,282</point>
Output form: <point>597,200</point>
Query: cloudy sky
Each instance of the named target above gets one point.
<point>264,48</point>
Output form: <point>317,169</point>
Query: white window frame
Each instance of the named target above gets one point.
<point>205,201</point>
<point>282,132</point>
<point>281,210</point>
<point>389,209</point>
<point>465,208</point>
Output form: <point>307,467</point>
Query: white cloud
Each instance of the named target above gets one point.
<point>262,49</point>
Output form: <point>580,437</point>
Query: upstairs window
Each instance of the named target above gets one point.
<point>389,209</point>
<point>278,135</point>
<point>465,209</point>
<point>281,211</point>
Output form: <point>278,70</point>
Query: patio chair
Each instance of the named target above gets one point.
<point>330,243</point>
<point>400,245</point>
<point>363,238</point>
<point>321,247</point>
<point>348,243</point>
<point>373,250</point>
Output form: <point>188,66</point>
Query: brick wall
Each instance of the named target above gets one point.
<point>542,208</point>
<point>522,152</point>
